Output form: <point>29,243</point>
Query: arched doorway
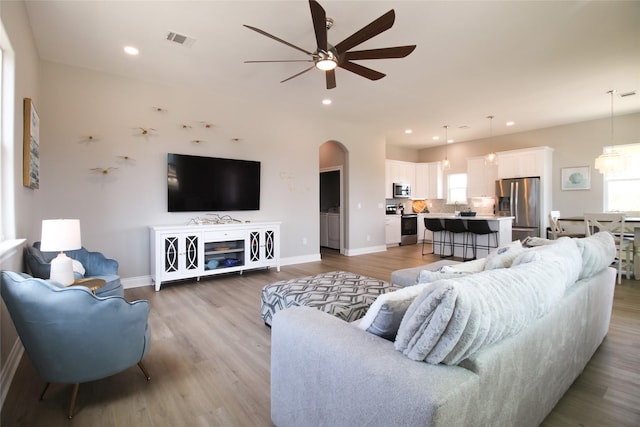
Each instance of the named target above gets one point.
<point>333,195</point>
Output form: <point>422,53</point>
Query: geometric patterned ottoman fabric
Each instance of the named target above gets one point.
<point>340,293</point>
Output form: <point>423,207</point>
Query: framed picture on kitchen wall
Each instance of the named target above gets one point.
<point>576,178</point>
<point>31,146</point>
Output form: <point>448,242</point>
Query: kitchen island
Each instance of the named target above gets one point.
<point>500,224</point>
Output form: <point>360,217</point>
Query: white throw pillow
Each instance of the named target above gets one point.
<point>503,256</point>
<point>474,266</point>
<point>385,314</point>
<point>428,276</point>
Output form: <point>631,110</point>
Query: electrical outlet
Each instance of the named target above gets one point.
<point>304,240</point>
<point>368,238</point>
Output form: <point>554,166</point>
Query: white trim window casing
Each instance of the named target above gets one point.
<point>621,191</point>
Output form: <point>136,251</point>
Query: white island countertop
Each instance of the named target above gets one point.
<point>452,216</point>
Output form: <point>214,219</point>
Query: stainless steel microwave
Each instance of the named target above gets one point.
<point>401,190</point>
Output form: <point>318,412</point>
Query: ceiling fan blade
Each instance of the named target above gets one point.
<point>331,79</point>
<point>280,60</point>
<point>362,71</point>
<point>383,53</point>
<point>368,31</point>
<point>264,33</point>
<point>296,75</point>
<point>319,17</point>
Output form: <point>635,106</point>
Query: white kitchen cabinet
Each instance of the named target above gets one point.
<point>393,232</point>
<point>434,189</point>
<point>398,171</point>
<point>429,180</point>
<point>481,178</point>
<point>421,189</point>
<point>524,163</point>
<point>194,251</point>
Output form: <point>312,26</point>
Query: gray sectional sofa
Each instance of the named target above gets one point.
<point>493,347</point>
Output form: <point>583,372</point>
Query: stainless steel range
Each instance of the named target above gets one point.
<point>409,229</point>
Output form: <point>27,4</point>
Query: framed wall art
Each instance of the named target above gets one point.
<point>576,178</point>
<point>31,146</point>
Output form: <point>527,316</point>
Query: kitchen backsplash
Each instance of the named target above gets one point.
<point>481,205</point>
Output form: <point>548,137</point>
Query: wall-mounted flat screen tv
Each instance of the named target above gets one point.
<point>197,184</point>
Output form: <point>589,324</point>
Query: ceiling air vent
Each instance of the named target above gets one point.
<point>181,39</point>
<point>624,95</point>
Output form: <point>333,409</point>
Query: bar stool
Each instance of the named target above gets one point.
<point>453,227</point>
<point>435,226</point>
<point>481,227</point>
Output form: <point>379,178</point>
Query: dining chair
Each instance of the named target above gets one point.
<point>613,223</point>
<point>556,228</point>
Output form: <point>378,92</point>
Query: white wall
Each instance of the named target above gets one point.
<point>21,52</point>
<point>576,144</point>
<point>115,209</point>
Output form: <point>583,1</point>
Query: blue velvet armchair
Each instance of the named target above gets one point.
<point>72,336</point>
<point>95,264</point>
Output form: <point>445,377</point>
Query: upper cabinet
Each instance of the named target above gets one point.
<point>425,179</point>
<point>524,163</point>
<point>398,171</point>
<point>481,178</point>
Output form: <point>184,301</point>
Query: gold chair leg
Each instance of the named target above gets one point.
<point>144,371</point>
<point>74,395</point>
<point>44,390</point>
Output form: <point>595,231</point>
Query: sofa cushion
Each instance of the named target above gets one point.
<point>598,251</point>
<point>468,266</point>
<point>454,318</point>
<point>385,314</point>
<point>503,256</point>
<point>409,276</point>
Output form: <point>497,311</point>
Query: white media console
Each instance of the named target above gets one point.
<point>194,251</point>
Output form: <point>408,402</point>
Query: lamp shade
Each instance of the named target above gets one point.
<point>60,235</point>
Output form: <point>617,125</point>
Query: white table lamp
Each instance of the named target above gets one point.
<point>61,235</point>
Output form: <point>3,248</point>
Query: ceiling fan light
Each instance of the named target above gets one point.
<point>326,64</point>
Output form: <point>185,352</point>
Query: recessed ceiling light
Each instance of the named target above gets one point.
<point>130,50</point>
<point>435,138</point>
<point>511,123</point>
<point>449,141</point>
<point>326,101</point>
<point>408,131</point>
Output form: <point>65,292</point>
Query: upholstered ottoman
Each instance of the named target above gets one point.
<point>339,293</point>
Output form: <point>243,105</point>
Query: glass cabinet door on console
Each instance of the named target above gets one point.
<point>263,247</point>
<point>182,254</point>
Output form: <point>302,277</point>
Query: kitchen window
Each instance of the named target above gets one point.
<point>457,188</point>
<point>622,190</point>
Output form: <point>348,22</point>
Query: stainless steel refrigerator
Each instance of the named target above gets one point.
<point>520,198</point>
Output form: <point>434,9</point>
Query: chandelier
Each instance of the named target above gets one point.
<point>610,162</point>
<point>446,164</point>
<point>491,159</point>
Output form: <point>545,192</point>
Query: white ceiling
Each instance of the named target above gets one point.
<point>537,63</point>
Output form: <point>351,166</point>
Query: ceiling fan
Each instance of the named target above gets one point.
<point>327,57</point>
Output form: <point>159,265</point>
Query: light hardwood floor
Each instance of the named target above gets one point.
<point>210,355</point>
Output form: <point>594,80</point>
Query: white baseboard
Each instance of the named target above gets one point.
<point>9,369</point>
<point>136,282</point>
<point>367,250</point>
<point>300,259</point>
